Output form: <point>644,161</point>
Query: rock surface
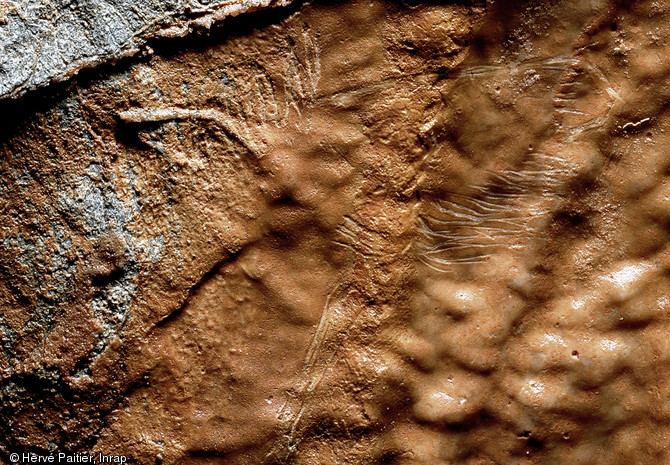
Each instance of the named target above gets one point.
<point>351,232</point>
<point>46,41</point>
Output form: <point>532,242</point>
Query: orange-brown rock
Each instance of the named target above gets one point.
<point>358,232</point>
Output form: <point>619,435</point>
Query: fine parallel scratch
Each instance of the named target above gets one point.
<point>467,229</point>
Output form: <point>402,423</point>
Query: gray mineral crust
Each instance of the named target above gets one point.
<point>49,41</point>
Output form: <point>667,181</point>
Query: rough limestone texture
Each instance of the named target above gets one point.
<point>44,41</point>
<point>353,232</point>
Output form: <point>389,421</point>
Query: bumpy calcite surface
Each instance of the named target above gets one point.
<point>369,232</point>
